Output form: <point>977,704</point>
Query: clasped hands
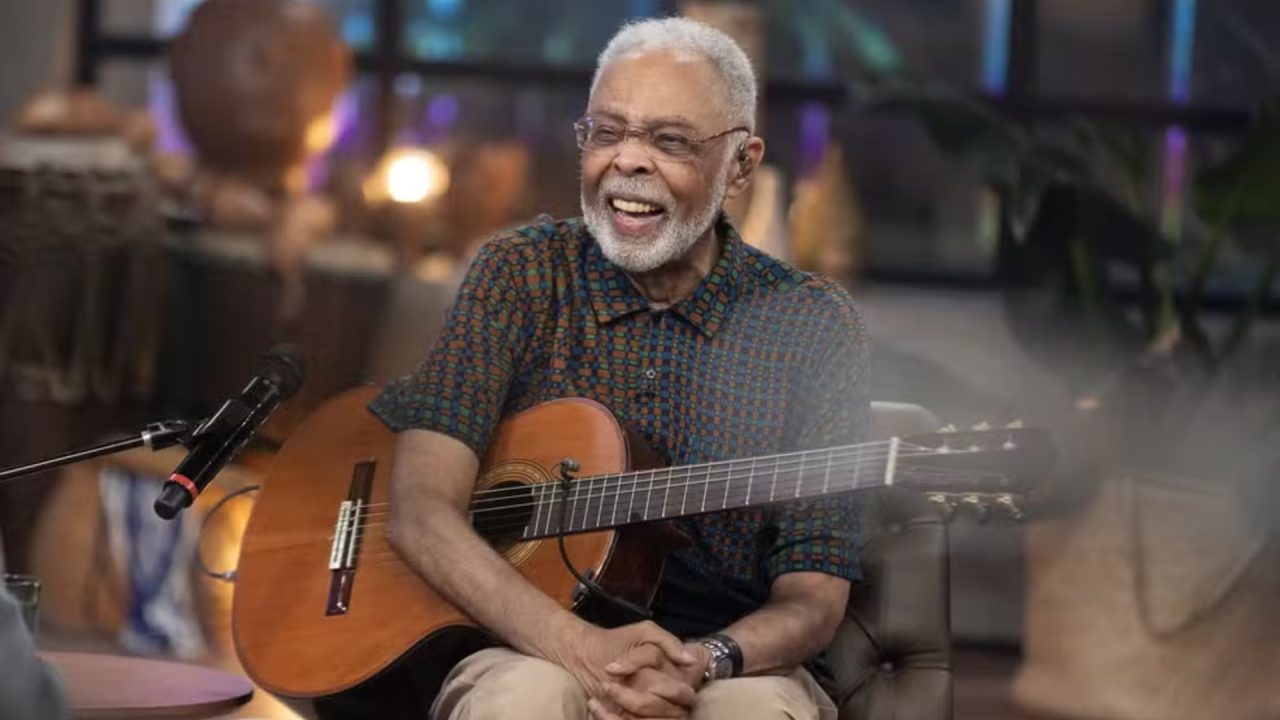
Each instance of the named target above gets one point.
<point>635,671</point>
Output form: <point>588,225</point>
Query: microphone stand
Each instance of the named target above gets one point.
<point>156,436</point>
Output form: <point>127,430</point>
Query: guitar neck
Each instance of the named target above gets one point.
<point>605,501</point>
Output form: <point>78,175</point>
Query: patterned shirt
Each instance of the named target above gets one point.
<point>760,359</point>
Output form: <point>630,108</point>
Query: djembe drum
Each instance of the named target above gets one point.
<point>80,255</point>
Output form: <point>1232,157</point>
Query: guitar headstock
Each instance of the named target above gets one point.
<point>983,471</point>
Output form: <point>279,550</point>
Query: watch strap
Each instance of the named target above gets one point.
<point>723,645</point>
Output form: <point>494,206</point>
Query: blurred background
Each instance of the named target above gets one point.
<point>1060,211</point>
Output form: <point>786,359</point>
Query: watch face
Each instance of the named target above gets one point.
<point>723,667</point>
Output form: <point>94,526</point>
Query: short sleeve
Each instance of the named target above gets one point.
<point>832,409</point>
<point>459,389</point>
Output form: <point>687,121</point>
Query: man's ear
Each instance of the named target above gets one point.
<point>745,161</point>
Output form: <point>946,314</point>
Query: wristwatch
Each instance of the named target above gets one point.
<point>726,657</point>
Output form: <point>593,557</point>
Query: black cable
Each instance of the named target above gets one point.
<point>226,575</point>
<point>586,582</point>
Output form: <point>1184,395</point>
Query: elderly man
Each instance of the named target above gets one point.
<point>653,306</point>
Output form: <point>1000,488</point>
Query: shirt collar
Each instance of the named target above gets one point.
<point>613,296</point>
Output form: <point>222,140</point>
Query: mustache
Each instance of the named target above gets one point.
<point>637,189</point>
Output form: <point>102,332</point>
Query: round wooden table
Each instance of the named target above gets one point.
<point>113,686</point>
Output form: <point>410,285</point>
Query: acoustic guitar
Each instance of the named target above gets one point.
<point>322,603</point>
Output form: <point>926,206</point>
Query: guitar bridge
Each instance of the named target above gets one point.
<point>347,532</point>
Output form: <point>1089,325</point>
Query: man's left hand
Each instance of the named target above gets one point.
<point>648,685</point>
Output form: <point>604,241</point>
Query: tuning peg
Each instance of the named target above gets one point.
<point>945,505</point>
<point>979,506</point>
<point>1015,425</point>
<point>982,427</point>
<point>946,429</point>
<point>1009,508</point>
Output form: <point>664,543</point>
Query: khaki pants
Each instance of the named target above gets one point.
<point>501,684</point>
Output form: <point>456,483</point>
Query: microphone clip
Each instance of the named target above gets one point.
<point>231,415</point>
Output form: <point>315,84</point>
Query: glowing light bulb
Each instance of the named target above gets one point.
<point>413,176</point>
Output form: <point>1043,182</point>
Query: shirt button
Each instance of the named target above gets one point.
<point>651,373</point>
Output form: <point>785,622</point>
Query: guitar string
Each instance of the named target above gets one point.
<point>385,555</point>
<point>858,454</point>
<point>517,497</point>
<point>616,493</point>
<point>905,450</point>
<point>594,483</point>
<point>576,531</point>
<point>779,456</point>
<point>520,520</point>
<point>520,493</point>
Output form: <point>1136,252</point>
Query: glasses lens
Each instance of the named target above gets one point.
<point>673,145</point>
<point>664,144</point>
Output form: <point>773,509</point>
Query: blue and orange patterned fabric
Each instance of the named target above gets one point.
<point>760,359</point>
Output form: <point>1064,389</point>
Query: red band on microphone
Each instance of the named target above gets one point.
<point>186,484</point>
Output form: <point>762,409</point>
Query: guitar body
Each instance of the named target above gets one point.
<point>303,629</point>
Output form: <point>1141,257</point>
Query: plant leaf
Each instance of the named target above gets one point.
<point>960,125</point>
<point>1244,189</point>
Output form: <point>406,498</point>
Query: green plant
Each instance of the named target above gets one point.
<point>1094,283</point>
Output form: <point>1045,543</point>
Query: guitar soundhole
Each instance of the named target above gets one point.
<point>503,513</point>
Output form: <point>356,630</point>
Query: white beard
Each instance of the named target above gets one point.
<point>666,243</point>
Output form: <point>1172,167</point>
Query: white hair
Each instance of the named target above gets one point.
<point>684,37</point>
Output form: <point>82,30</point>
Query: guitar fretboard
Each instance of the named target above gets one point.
<point>604,501</point>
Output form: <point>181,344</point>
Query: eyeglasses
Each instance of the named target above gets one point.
<point>663,143</point>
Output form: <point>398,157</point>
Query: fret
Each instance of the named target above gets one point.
<point>706,483</point>
<point>613,485</point>
<point>550,503</point>
<point>685,497</point>
<point>559,505</point>
<point>648,496</point>
<point>666,494</point>
<point>655,510</point>
<point>599,505</point>
<point>566,500</point>
<point>891,462</point>
<point>617,496</point>
<point>826,475</point>
<point>548,499</point>
<point>631,496</point>
<point>800,473</point>
<point>658,511</point>
<point>773,482</point>
<point>537,511</point>
<point>750,479</point>
<point>576,492</point>
<point>589,501</point>
<point>606,490</point>
<point>724,503</point>
<point>546,503</point>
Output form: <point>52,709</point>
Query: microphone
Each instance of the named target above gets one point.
<point>277,376</point>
